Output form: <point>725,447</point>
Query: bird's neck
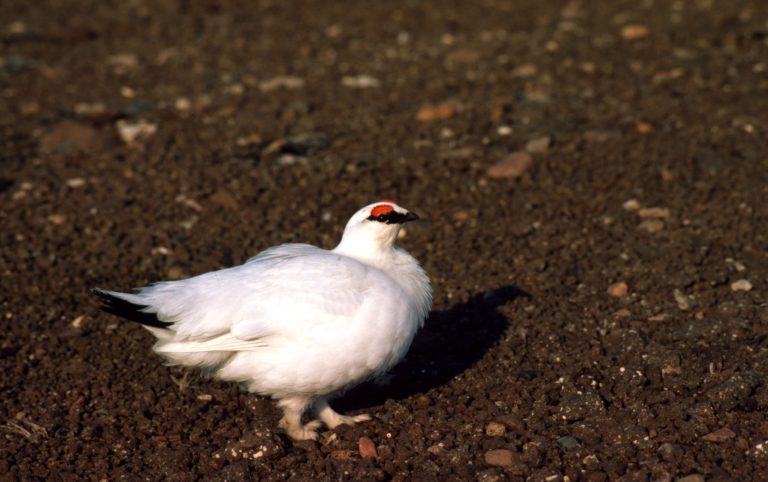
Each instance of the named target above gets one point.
<point>373,250</point>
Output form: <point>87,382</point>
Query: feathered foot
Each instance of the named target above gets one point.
<point>333,419</point>
<point>293,408</point>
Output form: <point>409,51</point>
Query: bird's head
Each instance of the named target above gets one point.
<point>373,229</point>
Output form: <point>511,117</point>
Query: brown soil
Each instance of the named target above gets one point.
<point>259,128</point>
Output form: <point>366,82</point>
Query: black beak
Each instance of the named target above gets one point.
<point>409,217</point>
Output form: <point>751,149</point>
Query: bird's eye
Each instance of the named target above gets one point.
<point>381,218</point>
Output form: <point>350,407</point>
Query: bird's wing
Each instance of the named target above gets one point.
<point>287,291</point>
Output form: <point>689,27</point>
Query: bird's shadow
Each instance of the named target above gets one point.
<point>450,342</point>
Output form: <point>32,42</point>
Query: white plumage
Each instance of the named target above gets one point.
<point>295,322</point>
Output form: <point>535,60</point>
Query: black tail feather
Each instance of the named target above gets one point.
<point>130,311</point>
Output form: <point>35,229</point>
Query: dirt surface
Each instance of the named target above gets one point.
<point>600,303</point>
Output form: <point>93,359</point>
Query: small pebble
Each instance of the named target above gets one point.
<point>657,213</point>
<point>512,166</point>
<point>133,131</point>
<point>435,449</point>
<point>500,457</point>
<point>360,82</point>
<point>741,285</point>
<point>495,429</point>
<point>568,443</point>
<point>651,225</point>
<point>643,128</point>
<point>462,215</point>
<point>719,435</point>
<point>618,289</point>
<point>205,397</point>
<point>429,112</point>
<point>367,448</point>
<point>57,219</point>
<point>538,145</point>
<point>524,71</point>
<point>634,32</point>
<point>341,454</point>
<point>504,130</point>
<point>75,182</point>
<point>183,104</point>
<point>683,301</point>
<point>631,205</point>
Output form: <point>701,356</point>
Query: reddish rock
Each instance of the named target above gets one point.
<point>367,448</point>
<point>719,435</point>
<point>514,165</point>
<point>618,289</point>
<point>429,112</point>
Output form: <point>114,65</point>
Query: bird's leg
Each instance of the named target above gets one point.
<point>333,419</point>
<point>293,408</point>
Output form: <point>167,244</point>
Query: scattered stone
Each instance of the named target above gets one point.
<point>75,182</point>
<point>69,137</point>
<point>341,454</point>
<point>618,289</point>
<point>500,457</point>
<point>692,478</point>
<point>504,130</point>
<point>656,213</point>
<point>512,166</point>
<point>281,82</point>
<point>254,445</point>
<point>123,62</point>
<point>435,449</point>
<point>643,128</point>
<point>524,71</point>
<point>249,140</point>
<point>568,443</point>
<point>462,215</point>
<point>367,448</point>
<point>719,435</point>
<point>429,112</point>
<point>684,302</point>
<point>538,145</point>
<point>651,225</point>
<point>183,104</point>
<point>360,82</point>
<point>634,32</point>
<point>665,75</point>
<point>132,132</point>
<point>495,429</point>
<point>622,313</point>
<point>57,219</point>
<point>741,285</point>
<point>205,397</point>
<point>631,205</point>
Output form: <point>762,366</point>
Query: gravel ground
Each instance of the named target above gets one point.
<point>594,175</point>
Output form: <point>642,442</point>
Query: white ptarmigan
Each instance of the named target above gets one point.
<point>296,322</point>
